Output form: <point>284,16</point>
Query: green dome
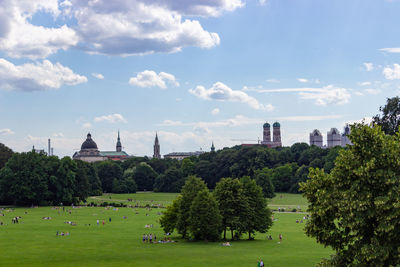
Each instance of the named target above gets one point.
<point>267,125</point>
<point>276,124</point>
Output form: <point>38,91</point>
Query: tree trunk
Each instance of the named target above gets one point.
<point>225,233</point>
<point>249,235</point>
<point>231,234</point>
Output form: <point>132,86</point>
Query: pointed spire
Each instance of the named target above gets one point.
<point>119,146</point>
<point>156,148</point>
<point>212,147</point>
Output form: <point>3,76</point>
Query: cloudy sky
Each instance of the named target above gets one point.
<point>194,71</point>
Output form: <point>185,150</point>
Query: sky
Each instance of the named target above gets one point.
<point>195,72</point>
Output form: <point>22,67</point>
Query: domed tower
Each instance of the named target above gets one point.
<point>266,134</point>
<point>89,151</point>
<point>316,138</point>
<point>276,135</point>
<point>119,146</point>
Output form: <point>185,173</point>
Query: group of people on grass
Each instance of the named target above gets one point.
<point>152,238</point>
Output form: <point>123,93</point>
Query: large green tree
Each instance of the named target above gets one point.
<point>389,120</point>
<point>5,154</point>
<point>231,203</point>
<point>144,177</point>
<point>189,191</point>
<point>169,218</point>
<point>204,217</point>
<point>171,181</point>
<point>256,217</point>
<point>264,179</point>
<point>355,209</point>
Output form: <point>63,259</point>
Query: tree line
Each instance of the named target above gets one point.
<point>236,205</point>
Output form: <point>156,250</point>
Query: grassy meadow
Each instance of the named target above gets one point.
<point>33,241</point>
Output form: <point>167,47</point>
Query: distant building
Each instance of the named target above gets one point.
<point>182,155</point>
<point>276,135</point>
<point>345,136</point>
<point>212,147</point>
<point>90,153</point>
<point>316,138</point>
<point>334,138</point>
<point>156,154</point>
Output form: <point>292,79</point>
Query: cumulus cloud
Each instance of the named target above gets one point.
<point>364,83</point>
<point>87,125</point>
<point>222,92</point>
<point>118,27</point>
<point>98,75</point>
<point>20,38</point>
<point>215,111</point>
<point>368,66</point>
<point>328,95</point>
<point>113,118</point>
<point>6,131</point>
<point>126,27</point>
<point>149,78</point>
<point>392,73</point>
<point>36,76</point>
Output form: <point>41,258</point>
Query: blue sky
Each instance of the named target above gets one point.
<point>194,71</point>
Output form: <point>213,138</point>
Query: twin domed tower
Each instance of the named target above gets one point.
<point>276,138</point>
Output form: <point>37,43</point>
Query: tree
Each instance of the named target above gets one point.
<point>169,218</point>
<point>264,179</point>
<point>390,119</point>
<point>108,171</point>
<point>5,154</point>
<point>187,167</point>
<point>189,191</point>
<point>171,181</point>
<point>204,217</point>
<point>256,217</point>
<point>231,203</point>
<point>355,209</point>
<point>144,176</point>
<point>281,177</point>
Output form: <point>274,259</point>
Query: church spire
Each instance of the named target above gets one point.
<point>212,147</point>
<point>119,146</point>
<point>156,154</point>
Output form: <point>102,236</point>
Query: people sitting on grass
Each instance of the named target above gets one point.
<point>46,218</point>
<point>226,244</point>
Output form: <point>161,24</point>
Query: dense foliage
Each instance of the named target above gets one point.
<point>5,154</point>
<point>355,209</point>
<point>389,120</point>
<point>36,179</point>
<point>235,205</point>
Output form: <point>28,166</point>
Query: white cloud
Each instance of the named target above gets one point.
<point>364,83</point>
<point>328,95</point>
<point>6,131</point>
<point>310,118</point>
<point>323,96</point>
<point>215,111</point>
<point>149,78</point>
<point>113,118</point>
<point>221,92</point>
<point>302,80</point>
<point>392,73</point>
<point>391,50</point>
<point>37,76</point>
<point>58,135</point>
<point>118,27</point>
<point>368,66</point>
<point>20,38</point>
<point>126,27</point>
<point>201,130</point>
<point>98,75</point>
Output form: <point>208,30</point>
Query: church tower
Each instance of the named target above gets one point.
<point>119,146</point>
<point>277,135</point>
<point>157,154</point>
<point>212,147</point>
<point>266,134</point>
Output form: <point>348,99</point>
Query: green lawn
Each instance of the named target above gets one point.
<point>33,242</point>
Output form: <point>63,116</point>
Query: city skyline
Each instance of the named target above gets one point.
<point>193,72</point>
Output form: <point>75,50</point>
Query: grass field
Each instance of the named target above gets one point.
<point>33,242</point>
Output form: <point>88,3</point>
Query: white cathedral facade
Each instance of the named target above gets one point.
<point>334,138</point>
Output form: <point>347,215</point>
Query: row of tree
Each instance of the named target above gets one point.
<point>235,205</point>
<point>36,179</point>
